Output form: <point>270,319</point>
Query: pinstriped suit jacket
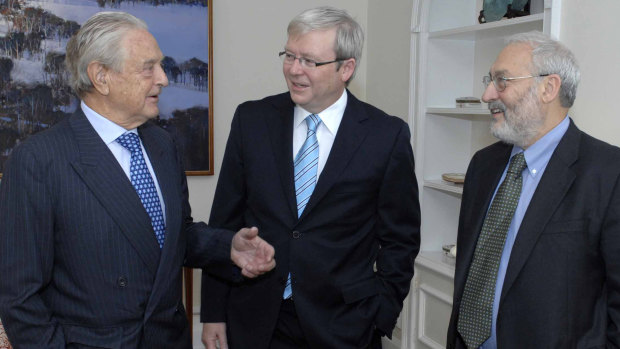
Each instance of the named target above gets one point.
<point>79,261</point>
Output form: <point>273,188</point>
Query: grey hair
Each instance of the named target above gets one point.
<point>99,39</point>
<point>549,56</point>
<point>349,34</point>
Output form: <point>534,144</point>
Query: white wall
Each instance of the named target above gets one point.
<point>591,30</point>
<point>388,50</point>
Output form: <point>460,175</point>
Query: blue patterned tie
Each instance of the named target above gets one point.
<point>306,165</point>
<point>143,183</point>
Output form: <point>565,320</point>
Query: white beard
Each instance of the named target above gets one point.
<point>522,122</point>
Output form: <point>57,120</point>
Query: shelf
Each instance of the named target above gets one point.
<point>444,186</point>
<point>435,261</point>
<point>492,29</point>
<point>458,111</point>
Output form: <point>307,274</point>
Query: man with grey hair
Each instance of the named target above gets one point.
<point>538,255</point>
<point>96,223</point>
<point>330,182</point>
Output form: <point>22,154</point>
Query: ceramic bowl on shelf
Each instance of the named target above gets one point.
<point>457,178</point>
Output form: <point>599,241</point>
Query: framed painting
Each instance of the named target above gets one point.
<point>34,90</point>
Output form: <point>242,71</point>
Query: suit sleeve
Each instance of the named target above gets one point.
<point>610,245</point>
<point>227,212</point>
<point>26,252</point>
<point>398,230</point>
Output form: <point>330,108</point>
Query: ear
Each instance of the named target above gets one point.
<point>551,88</point>
<point>98,75</point>
<point>347,69</point>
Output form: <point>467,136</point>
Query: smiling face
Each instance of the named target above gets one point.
<point>315,89</point>
<point>134,91</point>
<point>518,112</point>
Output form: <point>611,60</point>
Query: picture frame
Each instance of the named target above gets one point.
<point>34,93</point>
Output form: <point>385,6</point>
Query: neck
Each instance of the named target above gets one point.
<point>552,119</point>
<point>98,105</point>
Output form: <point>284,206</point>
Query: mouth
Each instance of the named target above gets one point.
<point>299,86</point>
<point>154,98</point>
<point>496,108</point>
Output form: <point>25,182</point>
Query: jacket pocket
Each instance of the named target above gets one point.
<point>93,337</point>
<point>567,226</point>
<point>360,290</point>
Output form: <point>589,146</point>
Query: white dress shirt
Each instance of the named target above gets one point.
<point>325,133</point>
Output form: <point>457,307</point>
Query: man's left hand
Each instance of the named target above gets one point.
<point>251,253</point>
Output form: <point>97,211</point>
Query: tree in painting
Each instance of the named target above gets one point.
<point>34,90</point>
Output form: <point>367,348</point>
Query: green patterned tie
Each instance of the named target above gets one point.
<point>476,312</point>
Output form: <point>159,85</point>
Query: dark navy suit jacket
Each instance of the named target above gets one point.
<point>79,261</point>
<point>562,286</point>
<point>363,210</point>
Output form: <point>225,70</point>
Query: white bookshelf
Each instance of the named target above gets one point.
<point>450,53</point>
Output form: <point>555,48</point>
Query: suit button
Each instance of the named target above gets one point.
<point>296,234</point>
<point>122,281</point>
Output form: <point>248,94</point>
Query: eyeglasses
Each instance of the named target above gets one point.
<point>500,82</point>
<point>289,58</point>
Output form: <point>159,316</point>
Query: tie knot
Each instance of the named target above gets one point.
<point>517,164</point>
<point>313,121</point>
<point>129,141</point>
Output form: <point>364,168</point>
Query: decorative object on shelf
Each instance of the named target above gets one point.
<point>449,253</point>
<point>4,340</point>
<point>494,10</point>
<point>457,178</point>
<point>468,102</point>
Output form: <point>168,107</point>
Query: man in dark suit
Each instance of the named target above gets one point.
<point>551,277</point>
<point>329,233</point>
<point>95,216</point>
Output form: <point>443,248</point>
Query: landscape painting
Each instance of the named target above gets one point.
<point>34,89</point>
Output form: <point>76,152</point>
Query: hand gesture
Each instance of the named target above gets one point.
<point>251,253</point>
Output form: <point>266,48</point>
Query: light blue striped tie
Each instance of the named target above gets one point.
<point>306,165</point>
<point>143,183</point>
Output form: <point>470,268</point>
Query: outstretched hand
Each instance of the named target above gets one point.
<point>251,253</point>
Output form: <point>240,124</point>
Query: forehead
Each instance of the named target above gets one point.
<point>513,59</point>
<point>141,45</point>
<point>315,42</point>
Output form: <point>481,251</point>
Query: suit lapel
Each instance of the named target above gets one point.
<point>102,173</point>
<point>164,164</point>
<point>554,184</point>
<point>351,133</point>
<point>280,127</point>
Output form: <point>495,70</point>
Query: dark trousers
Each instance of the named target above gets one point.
<point>289,335</point>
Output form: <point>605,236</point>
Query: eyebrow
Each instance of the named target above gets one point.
<point>302,55</point>
<point>152,61</point>
<point>498,72</point>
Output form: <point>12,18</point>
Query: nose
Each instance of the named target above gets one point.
<point>162,78</point>
<point>490,93</point>
<point>295,67</point>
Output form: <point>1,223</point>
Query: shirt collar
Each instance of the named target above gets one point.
<point>330,117</point>
<point>107,130</point>
<point>537,156</point>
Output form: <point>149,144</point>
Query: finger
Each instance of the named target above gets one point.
<point>269,251</point>
<point>265,267</point>
<point>223,341</point>
<point>248,233</point>
<point>210,344</point>
<point>248,275</point>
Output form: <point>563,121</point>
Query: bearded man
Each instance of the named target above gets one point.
<point>539,228</point>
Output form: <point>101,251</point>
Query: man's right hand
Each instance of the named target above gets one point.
<point>212,333</point>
